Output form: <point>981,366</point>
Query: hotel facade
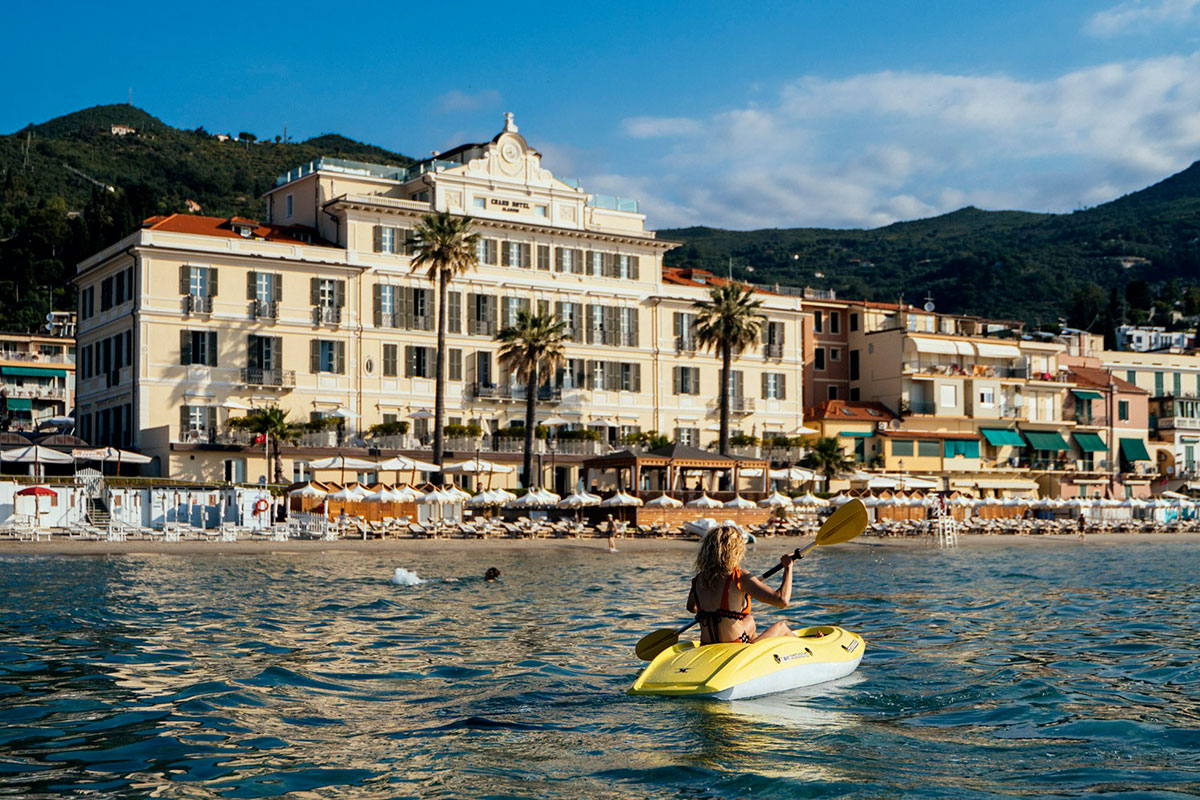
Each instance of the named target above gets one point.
<point>191,320</point>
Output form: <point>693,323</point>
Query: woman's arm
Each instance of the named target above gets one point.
<point>692,605</point>
<point>780,598</point>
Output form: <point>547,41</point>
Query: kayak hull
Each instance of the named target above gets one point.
<point>738,671</point>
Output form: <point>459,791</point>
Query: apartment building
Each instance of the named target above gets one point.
<point>192,320</point>
<point>37,374</point>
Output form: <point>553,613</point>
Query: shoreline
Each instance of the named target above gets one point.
<point>405,546</point>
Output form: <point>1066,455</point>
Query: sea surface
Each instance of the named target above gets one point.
<point>1041,669</point>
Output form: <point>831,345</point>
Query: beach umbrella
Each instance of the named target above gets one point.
<point>458,494</point>
<point>504,496</point>
<point>307,490</point>
<point>362,491</point>
<point>739,502</point>
<point>405,494</point>
<point>777,500</point>
<point>35,454</point>
<point>37,493</point>
<point>383,495</point>
<point>343,463</point>
<point>841,500</point>
<point>404,463</point>
<point>477,466</point>
<point>664,501</point>
<point>810,499</point>
<point>481,500</point>
<point>704,501</point>
<point>422,413</point>
<point>579,500</point>
<point>345,495</point>
<point>554,421</point>
<point>621,499</point>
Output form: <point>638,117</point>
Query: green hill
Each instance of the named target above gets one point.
<point>56,205</point>
<point>1036,267</point>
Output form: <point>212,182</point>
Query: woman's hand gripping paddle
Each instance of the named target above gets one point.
<point>842,525</point>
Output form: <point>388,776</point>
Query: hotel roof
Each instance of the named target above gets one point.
<point>224,227</point>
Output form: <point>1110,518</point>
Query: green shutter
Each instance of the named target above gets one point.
<point>212,281</point>
<point>185,347</point>
<point>251,285</point>
<point>314,356</point>
<point>212,348</point>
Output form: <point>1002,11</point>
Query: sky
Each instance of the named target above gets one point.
<point>833,114</point>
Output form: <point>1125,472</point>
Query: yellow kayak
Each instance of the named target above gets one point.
<point>737,671</point>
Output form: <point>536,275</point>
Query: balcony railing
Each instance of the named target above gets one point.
<point>261,309</point>
<point>505,391</point>
<point>737,405</point>
<point>1181,423</point>
<point>37,392</point>
<point>685,344</point>
<point>284,378</point>
<point>197,304</point>
<point>35,358</point>
<point>773,350</point>
<point>921,407</point>
<point>328,315</point>
<point>482,327</point>
<point>1011,412</point>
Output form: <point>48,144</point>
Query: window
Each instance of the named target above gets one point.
<point>967,448</point>
<point>87,300</point>
<point>510,308</point>
<point>819,358</point>
<point>1177,383</point>
<point>106,294</point>
<point>687,436</point>
<point>628,322</point>
<point>1123,410</point>
<point>543,254</point>
<point>1131,376</point>
<point>195,347</point>
<point>478,203</point>
<point>854,321</point>
<point>929,448</point>
<point>483,368</point>
<point>287,206</point>
<point>390,357</point>
<point>947,395</point>
<point>773,386</point>
<point>481,314</point>
<point>902,447</point>
<point>854,394</point>
<point>817,322</point>
<point>595,263</point>
<point>853,365</point>
<point>987,397</point>
<point>385,306</point>
<point>515,254</point>
<point>687,380</point>
<point>832,393</point>
<point>264,353</point>
<point>327,356</point>
<point>418,362</point>
<point>834,321</point>
<point>540,211</point>
<point>454,364</point>
<point>395,241</point>
<point>486,251</point>
<point>835,354</point>
<point>1158,384</point>
<point>774,344</point>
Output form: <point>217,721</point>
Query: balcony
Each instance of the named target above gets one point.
<point>919,407</point>
<point>1178,423</point>
<point>282,378</point>
<point>36,392</point>
<point>327,315</point>
<point>505,391</point>
<point>35,358</point>
<point>1092,420</point>
<point>685,344</point>
<point>737,405</point>
<point>260,309</point>
<point>197,304</point>
<point>773,350</point>
<point>482,327</point>
<point>484,391</point>
<point>1011,412</point>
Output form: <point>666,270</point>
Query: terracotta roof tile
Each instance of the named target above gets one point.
<point>220,226</point>
<point>1099,379</point>
<point>847,410</point>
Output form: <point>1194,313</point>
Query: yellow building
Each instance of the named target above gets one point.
<point>191,320</point>
<point>37,373</point>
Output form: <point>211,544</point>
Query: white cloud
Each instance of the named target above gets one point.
<point>455,100</point>
<point>656,127</point>
<point>1137,16</point>
<point>870,149</point>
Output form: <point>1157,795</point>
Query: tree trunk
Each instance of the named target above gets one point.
<point>726,360</point>
<point>530,418</point>
<point>439,375</point>
<point>278,461</point>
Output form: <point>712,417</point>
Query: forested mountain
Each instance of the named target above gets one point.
<point>69,187</point>
<point>1098,265</point>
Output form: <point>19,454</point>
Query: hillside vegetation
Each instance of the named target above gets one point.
<point>69,187</point>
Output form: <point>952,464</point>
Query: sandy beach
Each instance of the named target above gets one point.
<point>625,546</point>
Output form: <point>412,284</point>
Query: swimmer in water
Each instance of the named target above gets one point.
<point>491,574</point>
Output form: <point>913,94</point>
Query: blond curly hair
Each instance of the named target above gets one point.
<point>721,552</point>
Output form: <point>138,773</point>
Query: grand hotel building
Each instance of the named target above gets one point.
<point>191,319</point>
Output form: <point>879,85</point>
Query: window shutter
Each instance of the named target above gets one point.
<point>779,328</point>
<point>637,378</point>
<point>504,250</point>
<point>591,324</point>
<point>277,288</point>
<point>543,308</point>
<point>377,301</point>
<point>577,262</point>
<point>185,419</point>
<point>378,231</point>
<point>678,324</point>
<point>765,386</point>
<point>252,353</point>
<point>212,348</point>
<point>315,291</point>
<point>676,378</point>
<point>185,280</point>
<point>633,327</point>
<point>212,281</point>
<point>251,285</point>
<point>491,313</point>
<point>558,259</point>
<point>410,360</point>
<point>185,347</point>
<point>633,267</point>
<point>339,293</point>
<point>587,258</point>
<point>276,353</point>
<point>471,314</point>
<point>526,256</point>
<point>781,386</point>
<point>404,310</point>
<point>340,367</point>
<point>314,356</point>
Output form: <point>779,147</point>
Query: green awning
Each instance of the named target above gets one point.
<point>1085,394</point>
<point>20,404</point>
<point>857,433</point>
<point>1134,450</point>
<point>1041,440</point>
<point>1090,442</point>
<point>1002,436</point>
<point>34,372</point>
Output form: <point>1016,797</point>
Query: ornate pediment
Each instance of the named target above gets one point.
<point>509,158</point>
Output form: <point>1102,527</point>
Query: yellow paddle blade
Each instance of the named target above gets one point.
<point>844,524</point>
<point>654,643</point>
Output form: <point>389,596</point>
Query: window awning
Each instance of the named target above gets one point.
<point>1090,442</point>
<point>1087,394</point>
<point>20,404</point>
<point>1002,436</point>
<point>857,433</point>
<point>944,347</point>
<point>987,350</point>
<point>33,372</point>
<point>1006,483</point>
<point>1042,440</point>
<point>1134,450</point>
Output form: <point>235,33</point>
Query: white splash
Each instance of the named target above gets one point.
<point>405,578</point>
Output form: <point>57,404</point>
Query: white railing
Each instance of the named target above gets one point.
<point>386,202</point>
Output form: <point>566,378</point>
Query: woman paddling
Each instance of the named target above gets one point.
<point>721,592</point>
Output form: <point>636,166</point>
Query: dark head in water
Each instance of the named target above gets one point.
<point>491,574</point>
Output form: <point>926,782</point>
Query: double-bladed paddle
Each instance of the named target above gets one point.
<point>843,525</point>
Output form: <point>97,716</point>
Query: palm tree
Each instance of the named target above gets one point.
<point>272,423</point>
<point>534,345</point>
<point>445,248</point>
<point>826,455</point>
<point>729,320</point>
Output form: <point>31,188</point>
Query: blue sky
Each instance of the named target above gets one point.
<point>841,114</point>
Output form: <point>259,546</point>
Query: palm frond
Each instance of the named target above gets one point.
<point>445,244</point>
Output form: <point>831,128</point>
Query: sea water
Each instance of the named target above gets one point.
<point>1048,669</point>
